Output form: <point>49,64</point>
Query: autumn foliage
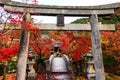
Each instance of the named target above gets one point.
<point>74,46</point>
<point>111,43</point>
<point>8,46</point>
<point>9,77</point>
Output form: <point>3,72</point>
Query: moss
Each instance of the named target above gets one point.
<point>109,78</point>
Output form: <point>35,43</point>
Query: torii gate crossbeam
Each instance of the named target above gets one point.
<point>55,10</point>
<point>71,27</point>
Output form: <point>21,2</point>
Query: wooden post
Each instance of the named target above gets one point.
<point>96,48</point>
<point>23,51</point>
<point>5,70</point>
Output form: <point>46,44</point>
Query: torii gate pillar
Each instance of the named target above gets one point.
<point>96,48</point>
<point>23,51</point>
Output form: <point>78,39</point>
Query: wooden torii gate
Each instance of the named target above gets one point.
<point>91,11</point>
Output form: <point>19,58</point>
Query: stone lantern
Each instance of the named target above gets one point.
<point>90,66</point>
<point>30,63</point>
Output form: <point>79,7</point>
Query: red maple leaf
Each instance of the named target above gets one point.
<point>76,55</point>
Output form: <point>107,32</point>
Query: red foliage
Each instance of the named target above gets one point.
<point>27,25</point>
<point>75,55</point>
<point>72,45</point>
<point>15,34</point>
<point>111,42</point>
<point>65,45</point>
<point>7,53</point>
<point>8,47</point>
<point>9,77</point>
<point>41,44</point>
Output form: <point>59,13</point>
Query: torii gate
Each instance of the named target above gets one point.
<point>91,11</point>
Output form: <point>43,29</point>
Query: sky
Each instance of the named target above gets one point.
<point>47,19</point>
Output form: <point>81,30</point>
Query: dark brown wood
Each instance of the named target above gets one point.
<point>23,51</point>
<point>96,48</point>
<point>5,70</point>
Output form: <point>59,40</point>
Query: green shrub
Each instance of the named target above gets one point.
<point>12,66</point>
<point>110,64</point>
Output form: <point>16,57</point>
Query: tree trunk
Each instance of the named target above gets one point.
<point>96,48</point>
<point>23,51</point>
<point>5,70</point>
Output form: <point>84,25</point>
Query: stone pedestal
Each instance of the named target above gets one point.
<point>90,70</point>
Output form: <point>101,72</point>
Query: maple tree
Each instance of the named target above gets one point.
<point>8,47</point>
<point>111,42</point>
<point>73,46</point>
<point>40,44</point>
